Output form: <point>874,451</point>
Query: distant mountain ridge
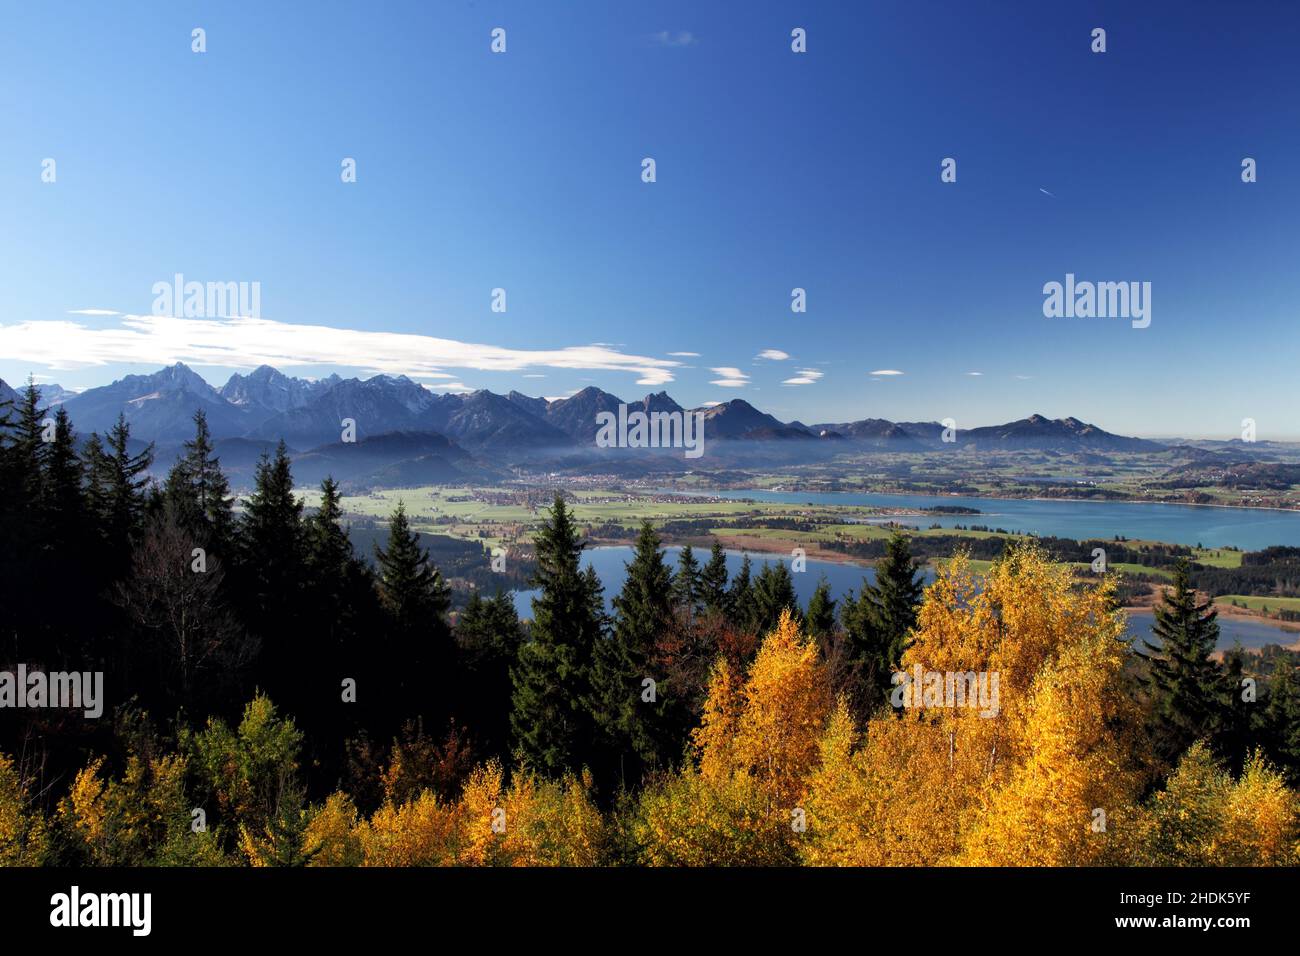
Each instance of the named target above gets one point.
<point>267,405</point>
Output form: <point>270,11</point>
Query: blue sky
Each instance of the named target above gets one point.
<point>775,170</point>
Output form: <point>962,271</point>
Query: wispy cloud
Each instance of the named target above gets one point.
<point>667,38</point>
<point>806,376</point>
<point>248,342</point>
<point>684,354</point>
<point>731,377</point>
<point>773,355</point>
<point>92,312</point>
<point>974,373</point>
<point>885,372</point>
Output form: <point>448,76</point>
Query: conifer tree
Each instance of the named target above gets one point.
<point>643,615</point>
<point>271,532</point>
<point>488,635</point>
<point>117,482</point>
<point>342,614</point>
<point>271,556</point>
<point>328,548</point>
<point>713,581</point>
<point>24,558</point>
<point>740,598</point>
<point>1184,683</point>
<point>878,622</point>
<point>65,505</point>
<point>1282,719</point>
<point>197,492</point>
<point>416,598</point>
<point>28,447</point>
<point>686,583</point>
<point>896,595</point>
<point>550,717</point>
<point>821,611</point>
<point>773,593</point>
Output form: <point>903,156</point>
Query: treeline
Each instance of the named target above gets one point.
<point>707,719</point>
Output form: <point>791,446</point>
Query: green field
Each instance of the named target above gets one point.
<point>1270,604</point>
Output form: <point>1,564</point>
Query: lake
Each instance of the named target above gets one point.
<point>1248,528</point>
<point>610,562</point>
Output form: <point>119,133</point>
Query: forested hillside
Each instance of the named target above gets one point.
<point>272,698</point>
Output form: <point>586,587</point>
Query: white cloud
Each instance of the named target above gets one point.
<point>885,371</point>
<point>731,377</point>
<point>248,342</point>
<point>710,404</point>
<point>974,373</point>
<point>806,376</point>
<point>92,312</point>
<point>773,355</point>
<point>684,354</point>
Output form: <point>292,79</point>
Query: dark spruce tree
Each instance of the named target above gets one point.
<point>119,483</point>
<point>773,593</point>
<point>740,598</point>
<point>416,600</point>
<point>821,611</point>
<point>550,718</point>
<point>341,616</point>
<point>713,581</point>
<point>272,577</point>
<point>197,493</point>
<point>23,557</point>
<point>877,626</point>
<point>70,544</point>
<point>488,636</point>
<point>1184,684</point>
<point>1282,718</point>
<point>896,596</point>
<point>65,502</point>
<point>686,585</point>
<point>632,718</point>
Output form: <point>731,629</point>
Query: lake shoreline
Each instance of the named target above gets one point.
<point>988,496</point>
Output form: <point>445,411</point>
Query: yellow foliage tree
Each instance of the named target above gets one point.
<point>533,822</point>
<point>144,819</point>
<point>331,837</point>
<point>757,743</point>
<point>787,699</point>
<point>420,832</point>
<point>1204,818</point>
<point>24,837</point>
<point>947,783</point>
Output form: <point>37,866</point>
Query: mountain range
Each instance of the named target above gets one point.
<point>406,431</point>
